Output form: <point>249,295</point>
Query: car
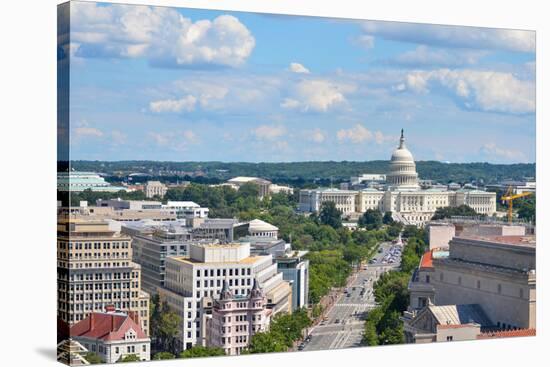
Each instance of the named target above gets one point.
<point>337,321</point>
<point>301,347</point>
<point>348,295</point>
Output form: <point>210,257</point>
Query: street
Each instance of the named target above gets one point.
<point>343,324</point>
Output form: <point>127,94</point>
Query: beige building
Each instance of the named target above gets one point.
<point>125,215</point>
<point>193,282</point>
<point>446,323</point>
<point>95,270</point>
<point>263,185</point>
<point>155,188</point>
<point>235,319</point>
<point>496,272</point>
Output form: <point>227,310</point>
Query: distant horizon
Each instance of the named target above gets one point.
<point>288,162</point>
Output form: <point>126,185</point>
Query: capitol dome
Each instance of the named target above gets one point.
<point>402,167</point>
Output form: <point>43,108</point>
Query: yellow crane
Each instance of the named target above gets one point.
<point>510,197</point>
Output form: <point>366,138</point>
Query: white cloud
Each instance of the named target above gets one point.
<point>190,137</point>
<point>453,36</point>
<point>298,68</point>
<point>366,41</point>
<point>317,95</point>
<point>174,140</point>
<point>159,34</point>
<point>424,56</point>
<point>492,150</point>
<point>316,135</point>
<point>186,103</point>
<point>483,90</point>
<point>85,131</point>
<point>360,134</point>
<point>118,137</point>
<point>269,132</point>
<point>356,134</point>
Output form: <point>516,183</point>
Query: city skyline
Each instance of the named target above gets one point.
<point>224,86</point>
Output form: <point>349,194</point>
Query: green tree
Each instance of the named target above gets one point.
<point>93,358</point>
<point>163,355</point>
<point>200,351</point>
<point>129,358</point>
<point>168,329</point>
<point>266,342</point>
<point>371,219</point>
<point>329,215</point>
<point>462,211</point>
<point>387,219</point>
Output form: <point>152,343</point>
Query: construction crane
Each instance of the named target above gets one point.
<point>510,197</point>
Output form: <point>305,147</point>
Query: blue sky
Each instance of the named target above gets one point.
<point>189,85</point>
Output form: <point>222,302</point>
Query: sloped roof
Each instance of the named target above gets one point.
<point>460,314</point>
<point>106,326</point>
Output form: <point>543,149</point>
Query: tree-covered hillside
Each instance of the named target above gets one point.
<point>302,173</point>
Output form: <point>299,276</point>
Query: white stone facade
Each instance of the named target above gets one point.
<point>402,195</point>
<point>191,283</point>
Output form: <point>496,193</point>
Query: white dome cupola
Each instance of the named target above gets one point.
<point>402,173</point>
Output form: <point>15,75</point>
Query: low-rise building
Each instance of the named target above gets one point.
<point>187,209</point>
<point>236,318</point>
<point>75,181</point>
<point>263,185</point>
<point>446,323</point>
<point>154,188</point>
<point>112,336</point>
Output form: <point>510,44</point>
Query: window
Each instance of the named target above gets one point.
<point>450,338</point>
<point>499,289</point>
<point>521,293</point>
<point>479,284</point>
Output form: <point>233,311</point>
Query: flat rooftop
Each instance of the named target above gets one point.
<point>515,240</point>
<point>245,261</point>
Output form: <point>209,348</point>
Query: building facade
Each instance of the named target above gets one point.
<point>193,282</point>
<point>235,319</point>
<point>95,270</point>
<point>112,336</point>
<point>401,195</point>
<point>74,181</point>
<point>154,188</point>
<point>496,272</point>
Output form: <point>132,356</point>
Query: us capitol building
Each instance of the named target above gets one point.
<point>402,195</point>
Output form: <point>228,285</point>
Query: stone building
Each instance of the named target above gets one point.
<point>401,195</point>
<point>155,188</point>
<point>193,282</point>
<point>236,318</point>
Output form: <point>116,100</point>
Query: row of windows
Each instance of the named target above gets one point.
<point>478,284</point>
<point>222,272</point>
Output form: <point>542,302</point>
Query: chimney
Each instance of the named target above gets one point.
<point>110,308</point>
<point>112,322</point>
<point>92,321</point>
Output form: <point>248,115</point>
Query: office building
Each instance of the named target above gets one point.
<point>193,282</point>
<point>95,270</point>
